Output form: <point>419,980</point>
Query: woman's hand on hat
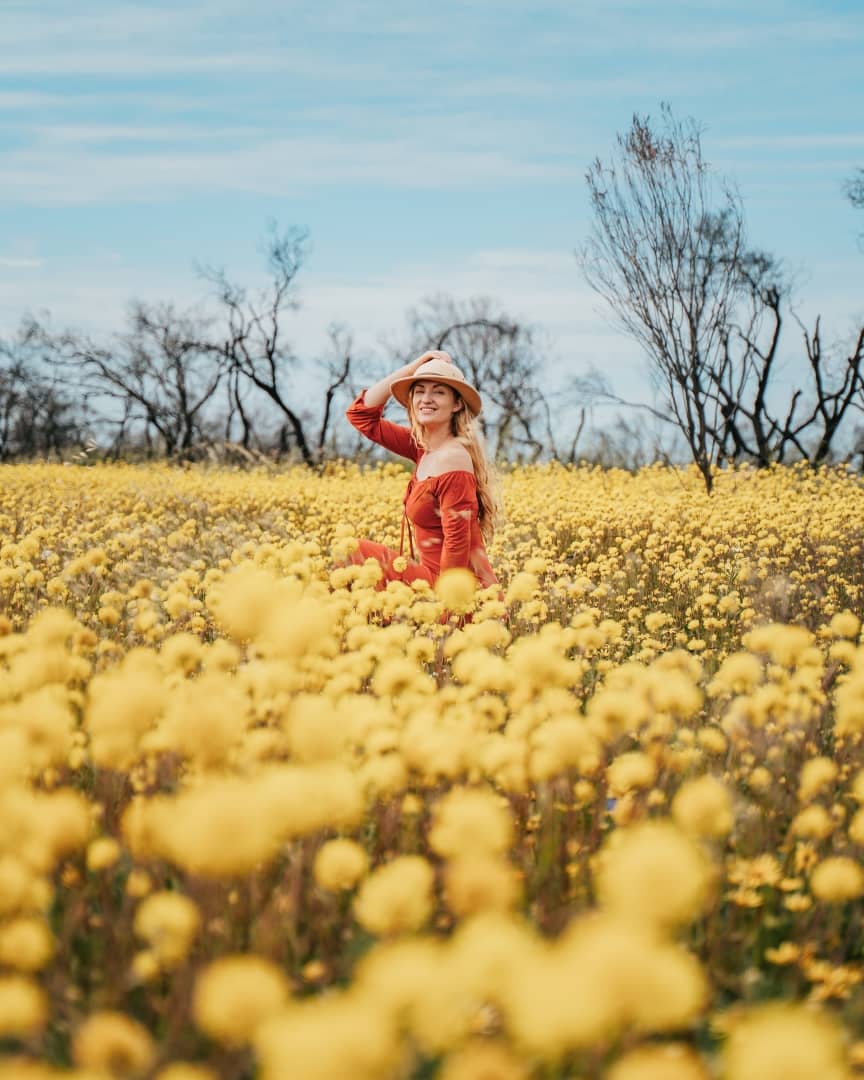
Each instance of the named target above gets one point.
<point>432,354</point>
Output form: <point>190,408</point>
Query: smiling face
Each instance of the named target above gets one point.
<point>433,402</point>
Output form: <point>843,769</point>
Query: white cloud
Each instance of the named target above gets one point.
<point>95,134</point>
<point>29,99</point>
<point>760,32</point>
<point>57,175</point>
<point>771,141</point>
<point>78,100</point>
<point>128,62</point>
<point>18,262</point>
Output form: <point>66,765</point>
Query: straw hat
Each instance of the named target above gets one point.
<point>439,371</point>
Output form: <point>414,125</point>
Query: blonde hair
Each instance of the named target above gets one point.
<point>465,431</point>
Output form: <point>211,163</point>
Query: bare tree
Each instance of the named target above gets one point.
<point>808,422</point>
<point>499,356</point>
<point>238,412</point>
<point>750,354</point>
<point>667,253</point>
<point>663,253</point>
<point>338,366</point>
<point>154,380</point>
<point>833,399</point>
<point>157,384</point>
<point>624,442</point>
<point>38,416</point>
<point>254,346</point>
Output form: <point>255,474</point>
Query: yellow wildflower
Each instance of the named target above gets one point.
<point>486,1060</point>
<point>182,1070</point>
<point>299,1042</point>
<point>670,1061</point>
<point>856,828</point>
<point>235,994</point>
<point>26,943</point>
<point>760,779</point>
<point>455,589</point>
<point>23,1008</point>
<point>523,586</point>
<point>785,953</point>
<point>739,673</point>
<point>168,921</point>
<point>102,853</point>
<point>396,897</point>
<point>816,775</point>
<point>653,873</point>
<point>703,807</point>
<point>477,883</point>
<point>470,821</point>
<point>844,625</point>
<point>814,822</point>
<point>786,645</point>
<point>838,879</point>
<point>561,744</point>
<point>340,864</point>
<point>113,1043</point>
<point>784,1042</point>
<point>631,770</point>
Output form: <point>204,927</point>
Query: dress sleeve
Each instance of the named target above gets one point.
<point>457,501</point>
<point>369,421</point>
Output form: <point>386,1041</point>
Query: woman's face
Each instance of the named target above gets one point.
<point>434,403</point>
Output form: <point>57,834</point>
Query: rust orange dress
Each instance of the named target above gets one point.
<point>442,511</point>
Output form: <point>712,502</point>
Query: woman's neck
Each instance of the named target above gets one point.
<point>436,437</point>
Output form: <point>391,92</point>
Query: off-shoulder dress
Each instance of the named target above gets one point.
<point>442,511</point>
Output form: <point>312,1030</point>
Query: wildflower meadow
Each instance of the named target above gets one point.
<point>260,818</point>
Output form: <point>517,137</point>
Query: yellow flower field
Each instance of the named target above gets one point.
<point>259,818</point>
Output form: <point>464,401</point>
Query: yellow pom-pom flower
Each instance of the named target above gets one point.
<point>784,1042</point>
<point>479,883</point>
<point>455,589</point>
<point>631,771</point>
<point>168,921</point>
<point>397,897</point>
<point>235,994</point>
<point>837,879</point>
<point>470,821</point>
<point>113,1043</point>
<point>340,864</point>
<point>26,943</point>
<point>23,1007</point>
<point>703,807</point>
<point>670,1061</point>
<point>816,775</point>
<point>653,873</point>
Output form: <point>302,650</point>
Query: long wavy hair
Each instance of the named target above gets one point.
<point>464,429</point>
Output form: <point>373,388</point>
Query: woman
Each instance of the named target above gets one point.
<point>449,506</point>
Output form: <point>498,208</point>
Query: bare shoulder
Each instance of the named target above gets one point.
<point>453,458</point>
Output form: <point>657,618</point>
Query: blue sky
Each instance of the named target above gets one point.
<point>427,147</point>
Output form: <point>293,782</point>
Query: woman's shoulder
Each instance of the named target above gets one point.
<point>452,458</point>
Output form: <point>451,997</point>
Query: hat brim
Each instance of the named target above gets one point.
<point>401,390</point>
